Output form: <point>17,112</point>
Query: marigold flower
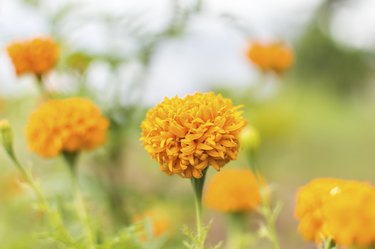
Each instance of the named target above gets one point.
<point>234,190</point>
<point>160,223</point>
<point>37,56</point>
<point>276,57</point>
<point>186,135</point>
<point>351,216</point>
<point>66,125</point>
<point>325,205</point>
<point>310,201</point>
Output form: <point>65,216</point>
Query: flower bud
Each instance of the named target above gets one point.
<point>6,134</point>
<point>249,138</point>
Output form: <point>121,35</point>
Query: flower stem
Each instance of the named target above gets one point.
<point>270,221</point>
<point>329,244</point>
<point>236,235</point>
<point>54,216</point>
<point>42,88</point>
<point>266,209</point>
<point>198,185</point>
<point>71,159</point>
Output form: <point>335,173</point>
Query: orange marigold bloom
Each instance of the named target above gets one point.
<point>276,57</point>
<point>66,125</point>
<point>337,209</point>
<point>234,190</point>
<point>351,216</point>
<point>36,56</point>
<point>160,223</point>
<point>310,201</point>
<point>186,135</point>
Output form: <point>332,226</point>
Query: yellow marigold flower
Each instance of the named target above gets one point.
<point>351,216</point>
<point>186,135</point>
<point>234,190</point>
<point>309,205</point>
<point>37,56</point>
<point>322,211</point>
<point>66,125</point>
<point>276,57</point>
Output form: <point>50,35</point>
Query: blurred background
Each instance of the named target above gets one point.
<point>316,120</point>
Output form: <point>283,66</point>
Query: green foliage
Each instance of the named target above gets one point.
<point>195,240</point>
<point>320,60</point>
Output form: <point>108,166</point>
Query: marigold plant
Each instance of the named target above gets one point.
<point>186,135</point>
<point>234,190</point>
<point>337,209</point>
<point>276,57</point>
<point>66,125</point>
<point>37,56</point>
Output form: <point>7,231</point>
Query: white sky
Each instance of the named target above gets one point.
<point>211,54</point>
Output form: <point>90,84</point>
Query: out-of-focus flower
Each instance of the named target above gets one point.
<point>186,135</point>
<point>276,57</point>
<point>249,138</point>
<point>10,187</point>
<point>309,205</point>
<point>234,190</point>
<point>337,209</point>
<point>158,221</point>
<point>67,125</point>
<point>351,216</point>
<point>37,56</point>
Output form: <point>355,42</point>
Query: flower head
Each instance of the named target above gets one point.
<point>186,135</point>
<point>66,125</point>
<point>337,209</point>
<point>351,216</point>
<point>160,223</point>
<point>234,190</point>
<point>275,57</point>
<point>37,56</point>
<point>309,204</point>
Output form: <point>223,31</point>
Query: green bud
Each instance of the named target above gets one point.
<point>250,138</point>
<point>6,134</point>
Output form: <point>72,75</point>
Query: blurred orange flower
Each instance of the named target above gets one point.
<point>337,209</point>
<point>276,57</point>
<point>159,221</point>
<point>186,135</point>
<point>351,216</point>
<point>10,186</point>
<point>37,56</point>
<point>234,190</point>
<point>66,125</point>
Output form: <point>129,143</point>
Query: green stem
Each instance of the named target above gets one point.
<point>42,88</point>
<point>79,203</point>
<point>54,216</point>
<point>236,238</point>
<point>329,244</point>
<point>270,221</point>
<point>198,185</point>
<point>266,209</point>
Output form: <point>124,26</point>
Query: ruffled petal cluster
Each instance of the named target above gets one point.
<point>337,209</point>
<point>276,57</point>
<point>235,190</point>
<point>66,125</point>
<point>186,135</point>
<point>37,56</point>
